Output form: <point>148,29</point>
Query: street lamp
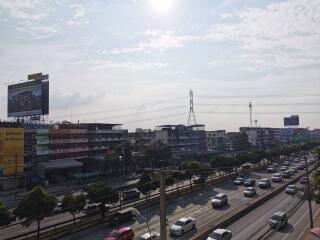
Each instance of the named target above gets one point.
<point>137,213</point>
<point>120,160</point>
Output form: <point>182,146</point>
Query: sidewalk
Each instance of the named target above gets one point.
<point>307,235</point>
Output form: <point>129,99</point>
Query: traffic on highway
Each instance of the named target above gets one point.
<point>196,212</point>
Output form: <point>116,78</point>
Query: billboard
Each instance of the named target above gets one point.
<point>11,151</point>
<point>28,98</point>
<point>291,121</point>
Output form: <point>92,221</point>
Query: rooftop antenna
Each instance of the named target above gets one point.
<point>192,116</point>
<point>250,107</point>
<point>256,123</point>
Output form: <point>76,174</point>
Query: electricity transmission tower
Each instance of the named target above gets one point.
<point>192,116</point>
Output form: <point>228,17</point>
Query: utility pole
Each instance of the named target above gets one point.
<point>163,217</point>
<point>308,192</point>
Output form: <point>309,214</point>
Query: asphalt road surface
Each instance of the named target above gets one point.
<point>255,226</point>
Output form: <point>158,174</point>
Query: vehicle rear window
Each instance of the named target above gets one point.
<point>115,234</point>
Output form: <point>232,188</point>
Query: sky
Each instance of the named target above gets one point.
<point>134,61</point>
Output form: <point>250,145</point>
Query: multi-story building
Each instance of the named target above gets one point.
<point>183,141</point>
<point>260,137</point>
<point>142,136</point>
<point>215,141</point>
<point>56,152</point>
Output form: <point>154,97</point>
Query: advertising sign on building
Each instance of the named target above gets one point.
<point>30,98</point>
<point>11,151</point>
<point>291,121</point>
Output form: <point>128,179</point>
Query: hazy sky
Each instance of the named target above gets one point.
<point>134,61</point>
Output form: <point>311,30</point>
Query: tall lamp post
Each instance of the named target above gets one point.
<point>120,160</point>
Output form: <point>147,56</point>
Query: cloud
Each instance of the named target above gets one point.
<point>79,16</point>
<point>159,41</point>
<point>63,98</point>
<point>132,66</point>
<point>282,35</point>
<point>39,32</point>
<point>30,16</point>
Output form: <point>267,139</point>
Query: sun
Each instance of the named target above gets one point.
<point>162,5</point>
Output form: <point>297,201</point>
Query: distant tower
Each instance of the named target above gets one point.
<point>250,107</point>
<point>192,116</point>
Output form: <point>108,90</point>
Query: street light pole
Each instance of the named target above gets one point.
<point>163,218</point>
<point>308,192</point>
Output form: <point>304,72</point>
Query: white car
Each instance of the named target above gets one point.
<point>220,234</point>
<point>182,226</point>
<point>153,236</point>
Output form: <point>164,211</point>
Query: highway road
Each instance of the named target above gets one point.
<point>197,204</point>
<point>255,226</point>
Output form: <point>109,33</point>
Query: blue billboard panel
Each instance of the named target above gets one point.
<point>28,99</point>
<point>291,121</point>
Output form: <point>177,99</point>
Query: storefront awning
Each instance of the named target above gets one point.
<point>60,164</point>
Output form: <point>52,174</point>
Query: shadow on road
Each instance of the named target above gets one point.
<point>287,229</point>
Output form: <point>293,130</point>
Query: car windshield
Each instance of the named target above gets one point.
<point>240,179</point>
<point>216,236</point>
<point>291,187</point>
<point>276,217</point>
<point>179,223</point>
<point>115,234</point>
<point>218,197</point>
<point>249,189</point>
<point>277,175</point>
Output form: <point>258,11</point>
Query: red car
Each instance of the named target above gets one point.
<point>124,233</point>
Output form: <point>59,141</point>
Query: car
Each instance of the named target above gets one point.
<point>182,226</point>
<point>275,164</point>
<point>58,208</point>
<point>219,200</point>
<point>277,177</point>
<point>122,216</point>
<point>220,234</point>
<point>296,160</point>
<point>124,233</point>
<point>286,174</point>
<point>300,167</point>
<point>294,169</point>
<point>198,180</point>
<point>286,163</point>
<point>271,169</point>
<point>91,209</point>
<point>148,236</point>
<point>249,192</point>
<point>249,182</point>
<point>284,168</point>
<point>130,194</point>
<point>303,180</point>
<point>278,220</point>
<point>264,183</point>
<point>291,189</point>
<point>239,181</point>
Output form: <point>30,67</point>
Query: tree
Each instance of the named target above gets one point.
<point>35,206</point>
<point>157,153</point>
<point>112,161</point>
<point>5,216</point>
<point>74,204</point>
<point>240,142</point>
<point>103,193</point>
<point>145,185</point>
